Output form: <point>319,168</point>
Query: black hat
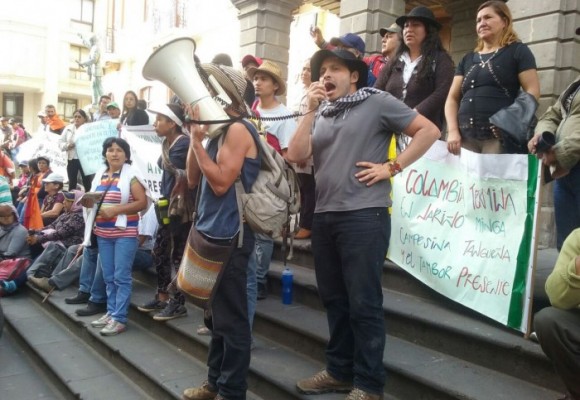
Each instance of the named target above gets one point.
<point>421,13</point>
<point>349,59</point>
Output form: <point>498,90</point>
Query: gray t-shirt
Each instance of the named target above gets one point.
<point>363,133</point>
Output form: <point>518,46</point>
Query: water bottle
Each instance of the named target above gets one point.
<point>287,278</point>
<point>162,210</point>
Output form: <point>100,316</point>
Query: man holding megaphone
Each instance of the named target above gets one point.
<point>214,171</point>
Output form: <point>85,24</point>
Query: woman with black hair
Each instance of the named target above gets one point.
<point>119,194</point>
<point>67,143</point>
<point>171,235</point>
<point>421,71</point>
<point>131,114</point>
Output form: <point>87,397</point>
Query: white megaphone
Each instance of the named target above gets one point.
<point>174,65</point>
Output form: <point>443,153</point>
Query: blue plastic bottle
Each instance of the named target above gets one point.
<point>287,278</point>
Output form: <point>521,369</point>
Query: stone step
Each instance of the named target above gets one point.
<point>414,371</point>
<point>20,376</point>
<point>155,364</point>
<point>441,325</point>
<point>274,368</point>
<point>77,370</point>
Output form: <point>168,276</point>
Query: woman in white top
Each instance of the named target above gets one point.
<point>67,143</point>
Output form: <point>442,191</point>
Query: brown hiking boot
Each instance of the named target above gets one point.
<point>359,394</point>
<point>322,382</point>
<point>204,392</point>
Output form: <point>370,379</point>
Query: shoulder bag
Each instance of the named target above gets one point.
<point>202,265</point>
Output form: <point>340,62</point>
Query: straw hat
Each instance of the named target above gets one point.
<point>273,70</point>
<point>231,80</point>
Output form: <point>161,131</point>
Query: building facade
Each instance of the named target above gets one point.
<point>45,44</point>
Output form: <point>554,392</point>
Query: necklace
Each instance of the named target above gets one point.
<point>482,63</point>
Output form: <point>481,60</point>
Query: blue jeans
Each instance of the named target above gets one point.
<point>117,257</point>
<point>88,268</point>
<point>349,251</point>
<point>263,250</point>
<point>567,204</point>
<point>143,260</point>
<point>229,350</point>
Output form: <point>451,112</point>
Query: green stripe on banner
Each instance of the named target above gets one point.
<point>519,285</point>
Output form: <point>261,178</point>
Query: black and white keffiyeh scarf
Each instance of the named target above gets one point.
<point>343,104</point>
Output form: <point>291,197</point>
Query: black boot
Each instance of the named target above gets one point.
<point>91,309</point>
<point>262,291</point>
<point>80,298</point>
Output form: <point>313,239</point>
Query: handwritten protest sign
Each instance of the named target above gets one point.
<point>145,151</point>
<point>45,144</point>
<point>89,140</point>
<point>463,225</point>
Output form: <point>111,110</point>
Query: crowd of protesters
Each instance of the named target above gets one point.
<point>350,109</point>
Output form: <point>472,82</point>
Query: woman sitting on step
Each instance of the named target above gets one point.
<point>12,246</point>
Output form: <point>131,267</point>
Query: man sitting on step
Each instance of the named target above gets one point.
<point>558,327</point>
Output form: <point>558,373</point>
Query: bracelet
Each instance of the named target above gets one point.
<point>394,167</point>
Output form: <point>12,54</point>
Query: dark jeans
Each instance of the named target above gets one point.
<point>567,204</point>
<point>307,200</point>
<point>73,167</point>
<point>349,251</point>
<point>167,254</point>
<point>559,335</point>
<point>229,350</point>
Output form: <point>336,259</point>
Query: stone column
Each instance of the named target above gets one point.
<point>548,27</point>
<point>265,29</point>
<point>365,18</point>
<point>463,35</point>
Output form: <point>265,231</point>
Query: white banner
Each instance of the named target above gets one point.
<point>461,225</point>
<point>45,144</point>
<point>145,151</point>
<point>89,143</point>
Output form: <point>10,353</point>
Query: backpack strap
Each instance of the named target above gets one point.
<point>238,185</point>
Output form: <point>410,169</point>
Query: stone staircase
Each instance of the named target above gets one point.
<point>436,349</point>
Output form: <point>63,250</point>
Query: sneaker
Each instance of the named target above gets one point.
<point>92,308</point>
<point>303,234</point>
<point>359,394</point>
<point>153,305</point>
<point>322,382</point>
<point>113,328</point>
<point>171,311</point>
<point>101,322</point>
<point>41,283</point>
<point>80,298</point>
<point>203,331</point>
<point>8,286</point>
<point>204,392</point>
